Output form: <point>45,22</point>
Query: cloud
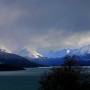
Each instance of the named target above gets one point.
<point>47,24</point>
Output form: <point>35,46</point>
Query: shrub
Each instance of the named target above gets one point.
<point>65,77</point>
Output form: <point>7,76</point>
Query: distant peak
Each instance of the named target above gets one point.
<point>35,53</point>
<point>4,49</point>
<point>68,51</point>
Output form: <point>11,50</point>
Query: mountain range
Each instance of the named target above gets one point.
<point>13,59</point>
<point>54,58</point>
<point>55,53</point>
<point>24,58</point>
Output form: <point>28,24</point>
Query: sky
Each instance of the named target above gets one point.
<point>44,24</point>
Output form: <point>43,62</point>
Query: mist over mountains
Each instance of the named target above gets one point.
<point>56,58</point>
<point>27,58</point>
<point>56,53</point>
<point>13,59</point>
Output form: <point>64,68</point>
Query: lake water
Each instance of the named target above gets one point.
<point>21,80</point>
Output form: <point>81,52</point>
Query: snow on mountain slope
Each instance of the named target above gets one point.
<point>55,54</point>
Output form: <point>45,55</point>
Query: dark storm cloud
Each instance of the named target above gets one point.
<point>44,23</point>
<point>62,14</point>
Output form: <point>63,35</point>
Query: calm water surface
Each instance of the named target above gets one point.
<point>21,80</point>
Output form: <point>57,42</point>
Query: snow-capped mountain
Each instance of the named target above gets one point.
<point>85,49</point>
<point>55,58</point>
<point>50,58</point>
<point>81,51</point>
<point>24,52</point>
<point>13,59</point>
<point>49,54</point>
<point>55,54</point>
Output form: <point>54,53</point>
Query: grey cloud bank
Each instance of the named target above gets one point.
<point>47,24</point>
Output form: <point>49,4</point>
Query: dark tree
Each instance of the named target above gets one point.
<point>62,78</point>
